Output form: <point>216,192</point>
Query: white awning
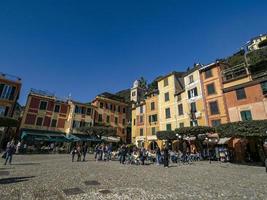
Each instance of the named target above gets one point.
<point>111,139</point>
<point>151,137</point>
<point>223,140</point>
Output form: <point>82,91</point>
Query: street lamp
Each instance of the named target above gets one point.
<point>208,141</point>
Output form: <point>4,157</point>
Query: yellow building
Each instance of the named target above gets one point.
<point>194,97</point>
<point>145,122</point>
<point>81,115</point>
<point>168,86</point>
<point>152,121</point>
<point>182,109</point>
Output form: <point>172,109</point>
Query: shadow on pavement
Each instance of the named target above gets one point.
<point>26,164</point>
<point>15,179</point>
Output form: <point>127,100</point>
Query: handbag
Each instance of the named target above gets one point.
<point>4,155</point>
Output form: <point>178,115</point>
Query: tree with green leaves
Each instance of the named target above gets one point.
<point>194,130</point>
<point>166,135</point>
<point>253,128</point>
<point>143,83</point>
<point>98,131</point>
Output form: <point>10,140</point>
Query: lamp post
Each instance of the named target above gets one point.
<point>179,137</point>
<point>208,141</point>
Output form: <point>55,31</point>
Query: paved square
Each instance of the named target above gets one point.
<point>50,176</point>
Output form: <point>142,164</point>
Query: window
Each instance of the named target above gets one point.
<point>193,107</point>
<point>57,108</point>
<point>240,94</point>
<point>214,108</point>
<point>43,105</point>
<point>116,120</point>
<point>110,106</point>
<point>168,113</point>
<point>119,109</point>
<point>180,109</point>
<point>114,108</point>
<point>192,93</point>
<point>134,122</point>
<point>83,110</point>
<point>54,123</point>
<point>179,97</point>
<point>208,73</point>
<point>152,106</point>
<point>153,130</point>
<point>89,110</point>
<point>4,110</point>
<point>107,106</point>
<point>141,109</point>
<point>153,118</point>
<point>211,89</point>
<point>141,132</point>
<point>193,122</point>
<point>123,121</point>
<point>75,124</point>
<point>168,127</point>
<point>39,121</point>
<point>77,110</point>
<point>100,118</point>
<point>191,79</point>
<point>123,131</point>
<point>82,124</point>
<point>167,97</point>
<point>101,105</point>
<point>246,115</point>
<point>166,83</point>
<point>141,119</point>
<point>181,125</point>
<point>264,87</point>
<point>108,119</point>
<point>133,93</point>
<point>124,110</point>
<point>7,92</point>
<point>215,122</point>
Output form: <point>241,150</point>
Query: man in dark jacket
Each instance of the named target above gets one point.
<point>84,150</point>
<point>166,156</point>
<point>10,150</point>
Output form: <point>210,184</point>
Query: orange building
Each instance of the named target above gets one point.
<point>214,98</point>
<point>112,110</point>
<point>247,101</point>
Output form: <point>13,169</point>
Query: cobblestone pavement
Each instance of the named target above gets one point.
<point>56,177</point>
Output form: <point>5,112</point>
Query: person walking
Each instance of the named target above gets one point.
<point>10,150</point>
<point>96,152</point>
<point>79,153</point>
<point>158,155</point>
<point>84,150</point>
<point>166,156</point>
<point>123,154</point>
<point>73,152</point>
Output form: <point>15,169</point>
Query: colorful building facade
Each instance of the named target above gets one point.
<point>9,93</point>
<point>195,102</point>
<point>81,115</point>
<point>112,110</point>
<point>213,96</point>
<point>168,86</point>
<point>43,111</point>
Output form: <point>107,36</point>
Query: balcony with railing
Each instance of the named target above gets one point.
<point>235,72</point>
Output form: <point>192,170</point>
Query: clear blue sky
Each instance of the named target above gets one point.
<point>88,47</point>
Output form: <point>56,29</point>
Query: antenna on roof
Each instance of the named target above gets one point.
<point>69,97</point>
